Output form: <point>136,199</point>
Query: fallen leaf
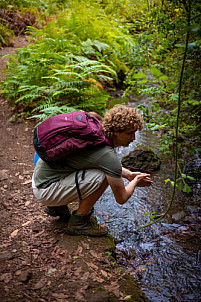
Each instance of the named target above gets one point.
<point>104,273</point>
<point>94,254</point>
<point>60,296</point>
<point>40,284</point>
<point>14,233</point>
<point>79,250</point>
<point>26,223</point>
<point>79,297</point>
<point>127,297</point>
<point>78,271</point>
<point>92,265</point>
<point>26,181</point>
<point>114,288</point>
<point>7,277</point>
<point>40,233</point>
<point>5,245</point>
<point>94,277</point>
<point>86,246</point>
<point>85,276</point>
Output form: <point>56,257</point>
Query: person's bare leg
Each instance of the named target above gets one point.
<point>87,203</point>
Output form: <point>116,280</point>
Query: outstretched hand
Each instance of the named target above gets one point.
<point>143,180</point>
<point>140,179</point>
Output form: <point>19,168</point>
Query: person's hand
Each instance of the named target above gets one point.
<point>143,180</point>
<point>132,175</point>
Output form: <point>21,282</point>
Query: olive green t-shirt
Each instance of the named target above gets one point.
<point>103,158</point>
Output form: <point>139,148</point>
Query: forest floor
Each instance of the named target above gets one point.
<point>39,261</point>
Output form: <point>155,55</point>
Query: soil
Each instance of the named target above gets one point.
<point>39,261</point>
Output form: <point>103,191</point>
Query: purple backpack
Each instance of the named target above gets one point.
<point>67,133</point>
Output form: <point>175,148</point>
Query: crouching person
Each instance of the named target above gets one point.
<point>86,175</point>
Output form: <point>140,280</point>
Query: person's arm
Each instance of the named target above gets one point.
<point>121,192</point>
<point>128,174</point>
<point>131,175</point>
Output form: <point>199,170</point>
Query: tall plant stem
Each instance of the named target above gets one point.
<point>177,120</point>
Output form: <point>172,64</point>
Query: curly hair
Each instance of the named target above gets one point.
<point>120,118</point>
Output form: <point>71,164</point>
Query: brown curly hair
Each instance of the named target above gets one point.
<point>120,118</point>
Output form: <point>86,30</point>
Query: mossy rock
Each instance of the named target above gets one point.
<point>142,158</point>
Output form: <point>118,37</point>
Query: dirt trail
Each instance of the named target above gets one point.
<point>39,261</point>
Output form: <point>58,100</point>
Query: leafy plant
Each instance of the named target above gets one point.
<point>6,36</point>
<point>180,182</point>
<point>68,61</point>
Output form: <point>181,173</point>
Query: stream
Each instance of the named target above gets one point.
<point>163,258</point>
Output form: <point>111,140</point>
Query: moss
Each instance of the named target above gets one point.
<point>131,288</point>
<point>128,286</point>
<point>142,158</point>
<point>111,242</point>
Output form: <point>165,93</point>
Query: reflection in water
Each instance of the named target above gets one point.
<point>168,269</point>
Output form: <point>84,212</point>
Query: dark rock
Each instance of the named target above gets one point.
<point>143,159</point>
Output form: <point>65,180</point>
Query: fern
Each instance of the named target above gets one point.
<point>70,59</point>
<point>51,111</point>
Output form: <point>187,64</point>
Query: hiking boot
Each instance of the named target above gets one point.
<point>91,217</point>
<point>61,211</point>
<point>85,225</point>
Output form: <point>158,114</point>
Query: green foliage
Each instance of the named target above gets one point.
<point>6,35</point>
<point>52,111</point>
<point>88,46</point>
<point>153,216</point>
<point>8,4</point>
<point>137,82</point>
<point>69,60</point>
<point>37,81</point>
<point>181,184</point>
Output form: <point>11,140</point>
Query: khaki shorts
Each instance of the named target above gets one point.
<point>64,191</point>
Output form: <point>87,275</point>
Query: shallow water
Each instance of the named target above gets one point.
<point>164,258</point>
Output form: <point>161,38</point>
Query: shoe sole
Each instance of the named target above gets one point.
<point>74,232</point>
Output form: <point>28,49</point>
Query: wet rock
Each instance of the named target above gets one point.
<point>142,158</point>
<point>171,226</point>
<point>182,228</point>
<point>191,209</point>
<point>178,216</point>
